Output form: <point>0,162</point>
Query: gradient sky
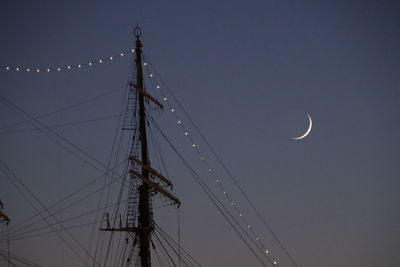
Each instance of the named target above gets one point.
<point>247,73</point>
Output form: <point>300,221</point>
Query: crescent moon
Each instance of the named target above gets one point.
<point>308,130</point>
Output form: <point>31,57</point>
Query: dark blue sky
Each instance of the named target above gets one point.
<point>247,73</point>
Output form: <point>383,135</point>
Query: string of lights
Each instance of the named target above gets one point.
<point>216,178</point>
<point>66,67</point>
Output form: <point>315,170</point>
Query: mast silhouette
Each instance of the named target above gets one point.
<point>142,226</point>
<point>144,205</point>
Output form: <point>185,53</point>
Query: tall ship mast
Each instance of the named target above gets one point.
<point>144,180</point>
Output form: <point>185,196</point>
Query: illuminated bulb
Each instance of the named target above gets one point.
<point>186,133</point>
<point>151,75</point>
<point>224,193</point>
<point>122,54</point>
<point>7,68</point>
<point>217,180</point>
<point>275,262</point>
<point>267,251</point>
<point>257,238</point>
<point>233,204</point>
<point>79,66</point>
<point>48,70</point>
<point>202,158</point>
<point>17,69</point>
<point>133,50</point>
<point>145,63</point>
<point>69,67</point>
<point>111,58</point>
<point>179,122</point>
<point>101,61</point>
<point>90,63</point>
<point>58,69</point>
<point>28,70</point>
<point>38,70</point>
<point>209,170</point>
<point>240,214</point>
<point>172,110</point>
<point>248,226</point>
<point>194,145</point>
<point>158,87</point>
<point>165,99</point>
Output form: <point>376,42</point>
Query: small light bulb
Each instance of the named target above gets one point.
<point>217,180</point>
<point>58,69</point>
<point>172,110</point>
<point>7,68</point>
<point>122,54</point>
<point>37,70</point>
<point>233,204</point>
<point>194,145</point>
<point>133,50</point>
<point>158,87</point>
<point>240,214</point>
<point>257,238</point>
<point>69,67</point>
<point>202,158</point>
<point>267,251</point>
<point>79,66</point>
<point>165,99</point>
<point>28,70</point>
<point>179,122</point>
<point>186,133</point>
<point>48,70</point>
<point>145,63</point>
<point>90,63</point>
<point>101,61</point>
<point>275,262</point>
<point>151,75</point>
<point>17,69</point>
<point>248,226</point>
<point>209,170</point>
<point>224,193</point>
<point>111,58</point>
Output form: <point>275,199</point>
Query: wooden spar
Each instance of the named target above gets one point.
<point>156,187</point>
<point>144,93</point>
<point>154,172</point>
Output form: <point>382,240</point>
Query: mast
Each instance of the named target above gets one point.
<point>147,181</point>
<point>144,202</point>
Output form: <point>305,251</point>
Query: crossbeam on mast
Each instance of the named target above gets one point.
<point>156,187</point>
<point>147,95</point>
<point>150,169</point>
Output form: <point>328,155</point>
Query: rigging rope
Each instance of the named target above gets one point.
<point>88,100</point>
<point>9,173</point>
<point>22,225</point>
<point>210,195</point>
<point>274,235</point>
<point>261,247</point>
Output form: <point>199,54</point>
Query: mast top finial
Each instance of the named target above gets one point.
<point>137,31</point>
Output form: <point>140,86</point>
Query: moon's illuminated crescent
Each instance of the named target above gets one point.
<point>308,130</point>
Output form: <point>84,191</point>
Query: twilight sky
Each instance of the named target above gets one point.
<point>246,72</point>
